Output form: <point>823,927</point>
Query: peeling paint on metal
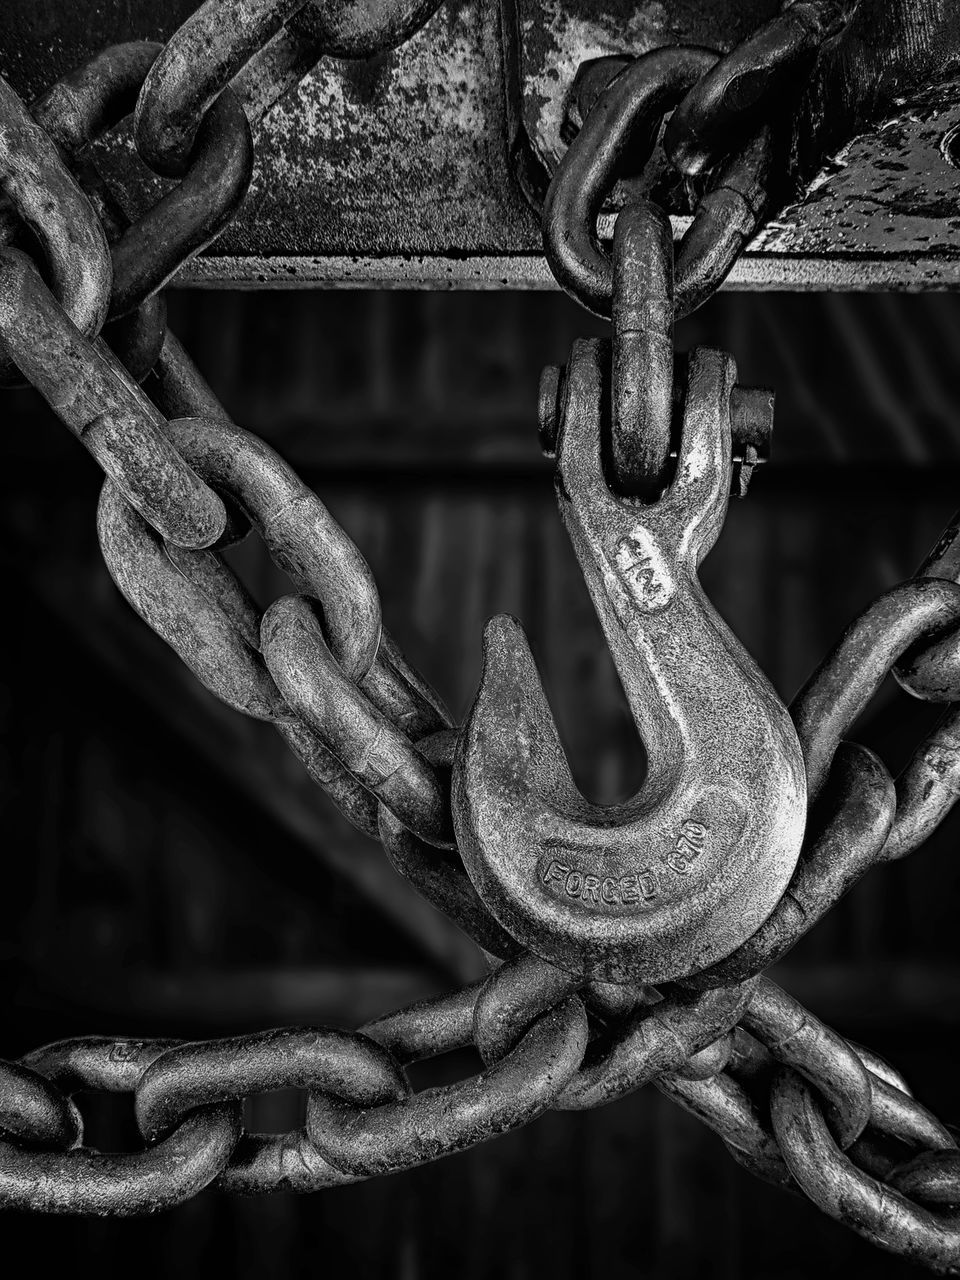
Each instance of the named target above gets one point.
<point>405,143</point>
<point>567,39</point>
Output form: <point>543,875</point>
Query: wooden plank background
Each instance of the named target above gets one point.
<point>169,868</point>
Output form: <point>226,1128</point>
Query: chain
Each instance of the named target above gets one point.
<point>728,123</point>
<point>794,1102</point>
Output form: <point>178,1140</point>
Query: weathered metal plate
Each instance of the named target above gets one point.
<point>403,171</point>
<point>892,192</point>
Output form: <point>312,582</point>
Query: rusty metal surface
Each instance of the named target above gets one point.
<point>400,171</point>
<point>402,154</point>
<point>896,186</point>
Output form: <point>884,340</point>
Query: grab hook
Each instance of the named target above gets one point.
<point>676,878</point>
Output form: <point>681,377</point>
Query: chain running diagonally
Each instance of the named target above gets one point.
<point>81,319</point>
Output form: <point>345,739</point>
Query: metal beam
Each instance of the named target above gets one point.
<point>406,171</point>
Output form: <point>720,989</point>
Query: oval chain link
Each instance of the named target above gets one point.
<point>719,109</point>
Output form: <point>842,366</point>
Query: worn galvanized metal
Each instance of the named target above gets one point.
<point>682,874</point>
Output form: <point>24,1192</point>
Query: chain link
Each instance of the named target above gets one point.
<point>41,196</point>
<point>793,1101</point>
<point>624,122</point>
<point>719,110</point>
<point>764,74</point>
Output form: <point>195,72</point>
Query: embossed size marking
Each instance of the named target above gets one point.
<point>687,848</point>
<point>644,569</point>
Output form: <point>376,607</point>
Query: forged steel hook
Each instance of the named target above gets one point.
<point>675,879</point>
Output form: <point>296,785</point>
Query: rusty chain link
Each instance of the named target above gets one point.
<point>42,198</point>
<point>793,1101</point>
<point>624,122</point>
<point>726,118</point>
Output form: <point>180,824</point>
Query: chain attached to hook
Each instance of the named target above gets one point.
<point>676,878</point>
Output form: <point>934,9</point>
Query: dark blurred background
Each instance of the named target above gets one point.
<point>171,870</point>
